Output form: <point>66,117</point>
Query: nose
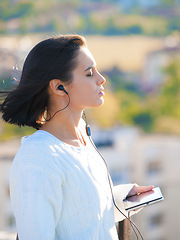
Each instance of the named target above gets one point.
<point>101,79</point>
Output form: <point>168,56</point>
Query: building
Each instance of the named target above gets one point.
<point>149,160</point>
<point>153,75</point>
<point>155,160</point>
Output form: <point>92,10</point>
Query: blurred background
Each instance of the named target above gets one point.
<point>136,44</point>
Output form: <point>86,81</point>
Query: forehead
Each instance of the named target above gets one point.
<point>85,58</point>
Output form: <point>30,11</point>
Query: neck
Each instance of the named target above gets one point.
<point>65,126</point>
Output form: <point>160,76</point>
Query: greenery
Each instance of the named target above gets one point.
<point>156,111</point>
<point>10,131</point>
<point>88,17</point>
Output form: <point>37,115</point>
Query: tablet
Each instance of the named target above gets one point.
<point>143,199</point>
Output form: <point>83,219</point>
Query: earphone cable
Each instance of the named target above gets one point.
<point>133,225</point>
<point>46,120</point>
<point>60,109</point>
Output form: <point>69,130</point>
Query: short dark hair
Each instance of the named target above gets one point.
<point>53,58</point>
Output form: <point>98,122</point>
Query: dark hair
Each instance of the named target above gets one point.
<point>53,58</point>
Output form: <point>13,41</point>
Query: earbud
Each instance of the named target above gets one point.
<point>60,87</point>
<point>88,130</point>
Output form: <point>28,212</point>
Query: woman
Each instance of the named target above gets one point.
<point>58,182</point>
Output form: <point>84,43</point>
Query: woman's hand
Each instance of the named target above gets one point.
<point>139,189</point>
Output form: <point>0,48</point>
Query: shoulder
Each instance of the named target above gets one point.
<point>36,149</point>
<point>36,155</point>
<point>37,142</point>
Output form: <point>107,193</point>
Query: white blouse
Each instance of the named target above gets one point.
<point>61,192</point>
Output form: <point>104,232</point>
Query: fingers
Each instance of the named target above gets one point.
<point>141,189</point>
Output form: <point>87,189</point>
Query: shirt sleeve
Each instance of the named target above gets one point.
<point>36,197</point>
<point>120,193</point>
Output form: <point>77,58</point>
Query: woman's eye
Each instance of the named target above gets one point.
<point>89,74</point>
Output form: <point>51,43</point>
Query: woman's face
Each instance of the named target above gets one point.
<point>86,88</point>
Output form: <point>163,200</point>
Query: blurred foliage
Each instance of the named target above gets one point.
<point>170,93</point>
<point>106,115</point>
<point>168,2</point>
<point>89,17</point>
<point>10,131</point>
<point>154,111</point>
<point>8,10</point>
<point>134,110</point>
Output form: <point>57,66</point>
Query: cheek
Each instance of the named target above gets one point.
<point>84,92</point>
<point>84,96</point>
<point>85,88</point>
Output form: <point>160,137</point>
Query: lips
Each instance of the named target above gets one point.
<point>101,93</point>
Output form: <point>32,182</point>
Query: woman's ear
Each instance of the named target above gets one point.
<point>53,86</point>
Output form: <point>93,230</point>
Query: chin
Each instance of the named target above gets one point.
<point>102,102</point>
<point>99,103</point>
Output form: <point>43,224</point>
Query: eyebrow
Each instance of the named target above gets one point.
<point>90,67</point>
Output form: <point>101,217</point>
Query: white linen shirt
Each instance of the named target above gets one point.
<point>61,192</point>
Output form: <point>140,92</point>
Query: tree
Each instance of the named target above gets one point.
<point>170,92</point>
<point>168,119</point>
<point>169,2</point>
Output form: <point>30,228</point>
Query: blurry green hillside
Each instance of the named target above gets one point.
<point>89,17</point>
